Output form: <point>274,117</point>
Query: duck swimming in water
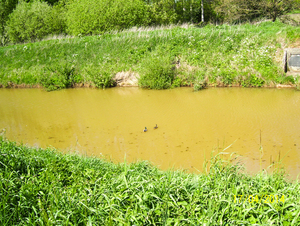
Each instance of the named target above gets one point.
<point>145,130</point>
<point>156,127</point>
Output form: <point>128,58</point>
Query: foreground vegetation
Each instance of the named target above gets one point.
<point>247,55</point>
<point>45,187</point>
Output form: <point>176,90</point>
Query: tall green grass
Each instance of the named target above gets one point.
<point>45,187</point>
<point>246,55</point>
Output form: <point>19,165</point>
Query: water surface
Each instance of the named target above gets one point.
<point>191,124</point>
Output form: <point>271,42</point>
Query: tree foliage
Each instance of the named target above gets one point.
<point>247,10</point>
<point>26,20</point>
<point>162,12</point>
<point>275,8</point>
<point>31,21</point>
<point>6,7</point>
<point>94,16</point>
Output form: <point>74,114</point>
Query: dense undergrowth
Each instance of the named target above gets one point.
<point>45,187</point>
<point>248,55</point>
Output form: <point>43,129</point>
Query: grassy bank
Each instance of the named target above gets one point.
<point>45,187</point>
<point>246,55</point>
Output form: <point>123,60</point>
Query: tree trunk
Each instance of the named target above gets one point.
<point>191,10</point>
<point>174,6</point>
<point>274,14</point>
<point>202,11</point>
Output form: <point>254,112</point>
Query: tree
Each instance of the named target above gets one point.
<point>88,17</point>
<point>162,11</point>
<point>233,11</point>
<point>6,7</point>
<point>33,20</point>
<point>276,8</point>
<point>202,11</point>
<point>247,10</point>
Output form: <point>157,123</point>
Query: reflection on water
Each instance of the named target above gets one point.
<point>190,124</point>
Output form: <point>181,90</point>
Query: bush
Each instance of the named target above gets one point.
<point>6,7</point>
<point>57,19</point>
<point>60,77</point>
<point>159,74</point>
<point>200,84</point>
<point>95,17</point>
<point>104,80</point>
<point>161,12</point>
<point>3,39</point>
<point>31,21</point>
<point>102,77</point>
<point>253,81</point>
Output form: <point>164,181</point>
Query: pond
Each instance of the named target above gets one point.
<point>191,125</point>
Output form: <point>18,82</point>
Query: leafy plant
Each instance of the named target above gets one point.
<point>159,74</point>
<point>297,82</point>
<point>33,20</point>
<point>104,80</point>
<point>102,77</point>
<point>177,82</point>
<point>227,79</point>
<point>200,81</point>
<point>252,81</point>
<point>161,12</point>
<point>45,187</point>
<point>6,7</point>
<point>200,84</point>
<point>60,77</point>
<point>85,17</point>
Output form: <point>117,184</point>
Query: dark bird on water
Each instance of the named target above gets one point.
<point>145,130</point>
<point>156,127</point>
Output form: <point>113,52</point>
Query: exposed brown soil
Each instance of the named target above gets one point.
<point>126,78</point>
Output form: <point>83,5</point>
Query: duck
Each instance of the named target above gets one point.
<point>145,130</point>
<point>156,127</point>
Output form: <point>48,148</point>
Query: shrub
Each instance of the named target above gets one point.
<point>253,81</point>
<point>57,19</point>
<point>102,77</point>
<point>177,82</point>
<point>159,74</point>
<point>95,17</point>
<point>125,14</point>
<point>104,80</point>
<point>31,21</point>
<point>162,12</point>
<point>3,39</point>
<point>200,84</point>
<point>6,7</point>
<point>60,77</point>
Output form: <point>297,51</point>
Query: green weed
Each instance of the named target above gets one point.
<point>160,74</point>
<point>60,77</point>
<point>164,57</point>
<point>252,81</point>
<point>103,81</point>
<point>44,186</point>
<point>102,77</point>
<point>200,84</point>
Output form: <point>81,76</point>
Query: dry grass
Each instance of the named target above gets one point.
<point>126,78</point>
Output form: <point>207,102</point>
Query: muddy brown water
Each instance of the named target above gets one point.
<point>191,125</point>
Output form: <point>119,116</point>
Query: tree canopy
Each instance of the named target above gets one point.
<point>27,20</point>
